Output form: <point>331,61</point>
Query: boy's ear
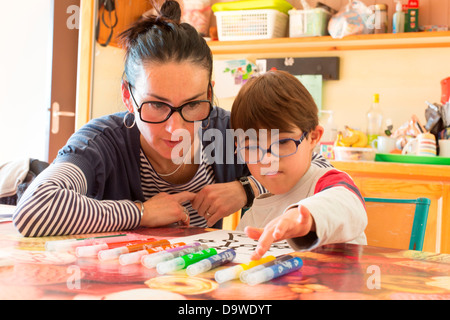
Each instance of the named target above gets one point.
<point>316,134</point>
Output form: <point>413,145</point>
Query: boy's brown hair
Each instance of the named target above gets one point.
<point>274,100</point>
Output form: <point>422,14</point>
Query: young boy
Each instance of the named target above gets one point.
<point>307,205</point>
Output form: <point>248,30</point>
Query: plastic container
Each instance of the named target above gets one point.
<point>251,24</point>
<point>198,14</point>
<point>280,5</point>
<point>351,154</point>
<point>308,23</point>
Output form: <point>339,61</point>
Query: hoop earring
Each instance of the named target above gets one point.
<point>207,124</point>
<point>125,120</point>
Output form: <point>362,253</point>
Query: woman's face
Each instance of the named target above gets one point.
<point>175,84</point>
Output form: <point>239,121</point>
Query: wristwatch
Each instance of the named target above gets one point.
<point>248,191</point>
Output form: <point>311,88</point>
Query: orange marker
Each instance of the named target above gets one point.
<point>92,251</point>
<point>116,252</point>
<point>135,257</point>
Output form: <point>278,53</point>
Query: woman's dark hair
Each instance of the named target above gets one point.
<point>161,39</point>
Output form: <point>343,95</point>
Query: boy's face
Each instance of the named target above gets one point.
<point>281,174</point>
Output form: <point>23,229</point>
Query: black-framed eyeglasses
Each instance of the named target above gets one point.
<point>159,112</point>
<point>254,153</point>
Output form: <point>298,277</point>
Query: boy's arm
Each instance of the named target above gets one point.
<point>338,210</point>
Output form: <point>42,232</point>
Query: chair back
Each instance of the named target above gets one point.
<point>397,223</point>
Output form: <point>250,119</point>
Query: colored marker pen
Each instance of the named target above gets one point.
<point>152,260</point>
<point>211,262</point>
<point>234,272</point>
<point>67,244</point>
<point>274,271</point>
<point>184,261</point>
<point>135,257</point>
<point>244,274</point>
<point>92,251</point>
<point>116,252</point>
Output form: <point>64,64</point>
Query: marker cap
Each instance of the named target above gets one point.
<point>228,274</point>
<point>260,276</point>
<point>171,265</point>
<point>199,267</point>
<point>133,257</point>
<point>90,251</point>
<point>150,261</point>
<point>274,271</point>
<point>111,253</point>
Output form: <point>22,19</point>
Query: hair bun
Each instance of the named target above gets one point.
<point>171,10</point>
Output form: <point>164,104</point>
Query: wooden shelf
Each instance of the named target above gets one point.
<point>439,39</point>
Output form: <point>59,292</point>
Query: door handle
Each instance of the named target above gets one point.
<point>56,114</point>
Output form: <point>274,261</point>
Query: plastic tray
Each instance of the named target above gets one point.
<point>387,157</point>
<point>280,5</point>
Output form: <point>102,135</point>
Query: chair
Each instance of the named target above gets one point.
<point>397,223</point>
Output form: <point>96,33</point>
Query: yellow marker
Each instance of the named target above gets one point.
<point>234,272</point>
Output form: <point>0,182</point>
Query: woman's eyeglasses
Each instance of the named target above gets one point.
<point>158,112</point>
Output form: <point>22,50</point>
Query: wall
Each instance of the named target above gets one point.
<point>404,78</point>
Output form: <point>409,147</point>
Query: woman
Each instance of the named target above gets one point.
<point>156,164</point>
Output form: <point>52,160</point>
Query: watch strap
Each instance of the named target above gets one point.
<point>248,191</point>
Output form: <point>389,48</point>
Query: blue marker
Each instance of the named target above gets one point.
<point>244,274</point>
<point>211,262</point>
<point>274,271</point>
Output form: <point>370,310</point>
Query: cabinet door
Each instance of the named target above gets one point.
<point>123,15</point>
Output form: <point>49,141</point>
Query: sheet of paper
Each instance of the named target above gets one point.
<point>230,76</point>
<point>313,83</point>
<point>244,246</point>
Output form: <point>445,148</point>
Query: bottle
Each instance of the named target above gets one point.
<point>326,145</point>
<point>381,19</point>
<point>398,21</point>
<point>374,119</point>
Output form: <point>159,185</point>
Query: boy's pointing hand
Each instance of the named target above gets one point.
<point>295,222</point>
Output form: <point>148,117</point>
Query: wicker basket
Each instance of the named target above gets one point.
<point>251,24</point>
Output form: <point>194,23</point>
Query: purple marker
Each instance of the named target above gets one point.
<point>274,271</point>
<point>150,261</point>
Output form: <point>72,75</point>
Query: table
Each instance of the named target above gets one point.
<point>338,271</point>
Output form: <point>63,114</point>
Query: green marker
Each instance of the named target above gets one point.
<point>184,261</point>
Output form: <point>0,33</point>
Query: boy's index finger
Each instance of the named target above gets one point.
<point>265,241</point>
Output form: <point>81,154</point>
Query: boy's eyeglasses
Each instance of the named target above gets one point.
<point>159,112</point>
<point>280,149</point>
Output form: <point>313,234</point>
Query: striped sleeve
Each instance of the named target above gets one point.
<point>56,204</point>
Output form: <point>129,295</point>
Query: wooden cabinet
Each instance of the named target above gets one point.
<point>382,179</point>
<point>125,13</point>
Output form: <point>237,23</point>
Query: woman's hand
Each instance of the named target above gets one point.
<point>219,200</point>
<point>296,222</point>
<point>164,209</point>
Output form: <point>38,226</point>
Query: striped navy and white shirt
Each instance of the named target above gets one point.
<point>56,202</point>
